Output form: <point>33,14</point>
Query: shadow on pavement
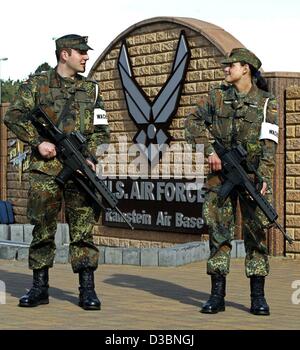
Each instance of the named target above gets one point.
<point>165,289</point>
<point>17,284</point>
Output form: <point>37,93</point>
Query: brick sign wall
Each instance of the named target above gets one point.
<point>293,168</point>
<point>151,49</point>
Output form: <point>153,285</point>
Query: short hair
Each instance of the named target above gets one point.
<point>58,52</point>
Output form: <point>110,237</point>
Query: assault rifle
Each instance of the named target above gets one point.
<point>234,175</point>
<point>70,148</point>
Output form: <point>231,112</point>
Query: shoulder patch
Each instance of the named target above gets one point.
<point>100,117</point>
<point>269,132</point>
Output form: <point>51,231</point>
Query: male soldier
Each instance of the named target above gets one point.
<point>58,89</point>
<point>234,114</point>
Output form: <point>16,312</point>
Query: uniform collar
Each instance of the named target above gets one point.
<point>56,80</point>
<point>250,98</point>
<point>229,94</point>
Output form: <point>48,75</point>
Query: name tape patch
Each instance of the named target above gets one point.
<point>100,117</point>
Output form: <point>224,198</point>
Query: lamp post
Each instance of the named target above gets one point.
<point>1,59</point>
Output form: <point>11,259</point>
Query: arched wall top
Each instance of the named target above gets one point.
<point>221,39</point>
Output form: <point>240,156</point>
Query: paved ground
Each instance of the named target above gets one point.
<point>148,298</point>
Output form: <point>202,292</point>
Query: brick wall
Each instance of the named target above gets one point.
<point>293,168</point>
<point>3,153</point>
<point>278,83</point>
<point>14,184</point>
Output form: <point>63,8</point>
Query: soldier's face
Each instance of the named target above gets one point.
<point>234,72</point>
<point>77,60</point>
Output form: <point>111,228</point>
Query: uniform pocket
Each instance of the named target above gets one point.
<point>222,127</point>
<point>249,128</point>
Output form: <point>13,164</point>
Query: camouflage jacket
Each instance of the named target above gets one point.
<point>51,91</point>
<point>235,118</point>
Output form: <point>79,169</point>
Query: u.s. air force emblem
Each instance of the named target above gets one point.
<point>153,118</point>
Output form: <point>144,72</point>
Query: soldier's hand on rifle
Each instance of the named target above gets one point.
<point>91,165</point>
<point>264,188</point>
<point>47,149</point>
<point>214,162</point>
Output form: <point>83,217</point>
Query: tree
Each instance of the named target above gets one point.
<point>9,90</point>
<point>42,67</point>
<point>10,87</point>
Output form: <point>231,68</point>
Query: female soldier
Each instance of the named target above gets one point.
<point>233,113</point>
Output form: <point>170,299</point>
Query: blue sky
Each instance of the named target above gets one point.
<point>269,28</point>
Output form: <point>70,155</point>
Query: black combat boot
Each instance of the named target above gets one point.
<point>216,301</point>
<point>88,299</point>
<point>38,294</point>
<point>259,305</point>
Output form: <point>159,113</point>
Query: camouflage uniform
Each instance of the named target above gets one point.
<point>235,117</point>
<point>50,90</point>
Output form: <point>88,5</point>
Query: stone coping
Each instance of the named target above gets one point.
<point>15,240</point>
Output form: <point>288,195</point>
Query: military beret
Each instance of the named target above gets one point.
<point>72,41</point>
<point>242,55</point>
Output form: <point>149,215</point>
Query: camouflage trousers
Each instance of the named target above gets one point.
<point>44,204</point>
<point>220,218</point>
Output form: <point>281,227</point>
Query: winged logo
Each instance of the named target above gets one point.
<point>154,118</point>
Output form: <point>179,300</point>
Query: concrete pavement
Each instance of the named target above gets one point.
<point>151,298</point>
